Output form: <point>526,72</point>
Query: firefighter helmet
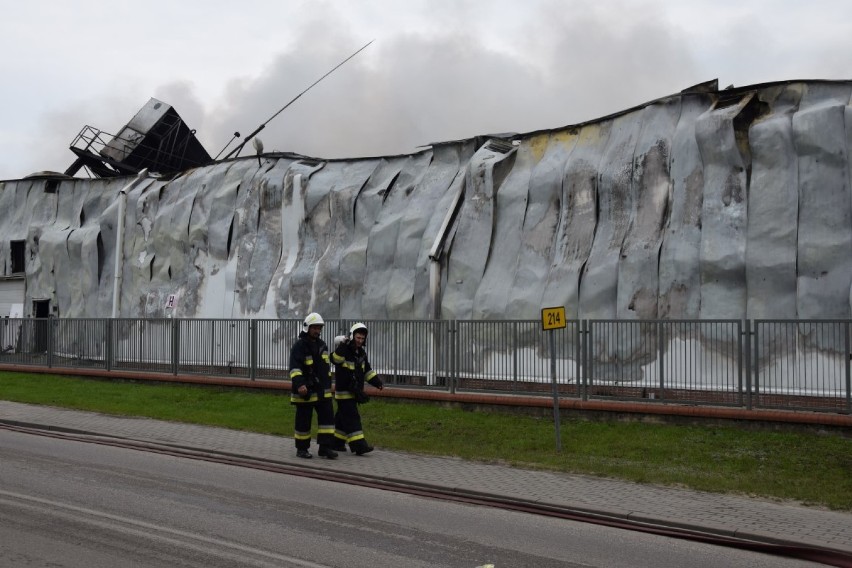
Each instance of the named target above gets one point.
<point>312,318</point>
<point>358,327</point>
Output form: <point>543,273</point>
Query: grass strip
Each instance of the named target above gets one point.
<point>806,467</point>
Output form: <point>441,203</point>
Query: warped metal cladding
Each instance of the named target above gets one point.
<point>705,204</point>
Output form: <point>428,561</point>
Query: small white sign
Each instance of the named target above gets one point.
<point>171,302</point>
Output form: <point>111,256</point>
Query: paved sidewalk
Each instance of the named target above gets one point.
<point>738,516</point>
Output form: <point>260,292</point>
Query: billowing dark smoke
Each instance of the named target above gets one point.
<point>410,90</point>
<point>558,67</point>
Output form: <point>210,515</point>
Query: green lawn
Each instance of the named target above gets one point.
<point>812,468</point>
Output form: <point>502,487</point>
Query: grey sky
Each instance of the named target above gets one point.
<point>438,70</point>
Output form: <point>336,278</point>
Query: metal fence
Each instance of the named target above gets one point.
<point>791,364</point>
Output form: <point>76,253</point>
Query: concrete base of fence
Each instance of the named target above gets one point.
<point>590,408</point>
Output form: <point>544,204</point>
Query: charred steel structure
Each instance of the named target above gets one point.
<point>156,138</point>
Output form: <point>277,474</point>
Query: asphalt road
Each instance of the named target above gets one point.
<point>72,504</point>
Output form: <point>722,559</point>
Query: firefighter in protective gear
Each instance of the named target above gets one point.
<point>310,377</point>
<point>352,370</point>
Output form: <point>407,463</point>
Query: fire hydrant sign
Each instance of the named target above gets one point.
<point>553,318</point>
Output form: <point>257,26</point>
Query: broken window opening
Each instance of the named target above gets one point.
<point>18,256</point>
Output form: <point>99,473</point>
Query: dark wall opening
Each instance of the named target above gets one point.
<point>18,256</point>
<point>101,256</point>
<point>41,310</point>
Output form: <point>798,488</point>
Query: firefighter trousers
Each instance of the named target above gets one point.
<point>347,425</point>
<point>325,423</point>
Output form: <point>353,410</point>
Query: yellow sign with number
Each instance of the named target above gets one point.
<point>553,318</point>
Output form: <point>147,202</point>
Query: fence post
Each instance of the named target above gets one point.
<point>848,370</point>
<point>751,345</point>
<point>578,359</point>
<point>212,346</point>
<point>108,347</point>
<point>660,353</point>
<point>252,349</point>
<point>441,351</point>
<point>585,355</point>
<point>175,345</point>
<point>453,338</point>
<point>448,352</point>
<point>395,352</point>
<point>515,356</point>
<point>49,324</point>
<point>432,355</point>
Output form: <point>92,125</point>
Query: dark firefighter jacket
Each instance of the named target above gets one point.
<point>352,368</point>
<point>309,366</point>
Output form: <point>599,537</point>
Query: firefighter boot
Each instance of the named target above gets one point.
<point>327,452</point>
<point>360,447</point>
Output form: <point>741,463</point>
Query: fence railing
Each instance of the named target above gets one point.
<point>792,364</point>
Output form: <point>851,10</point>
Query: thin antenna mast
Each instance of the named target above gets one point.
<point>239,148</point>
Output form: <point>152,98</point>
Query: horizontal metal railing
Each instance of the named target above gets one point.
<point>790,364</point>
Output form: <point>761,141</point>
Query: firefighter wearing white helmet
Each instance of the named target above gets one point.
<point>352,370</point>
<point>312,318</point>
<point>310,390</point>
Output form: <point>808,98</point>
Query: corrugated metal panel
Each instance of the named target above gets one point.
<point>11,292</point>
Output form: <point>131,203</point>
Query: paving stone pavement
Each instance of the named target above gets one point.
<point>784,523</point>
